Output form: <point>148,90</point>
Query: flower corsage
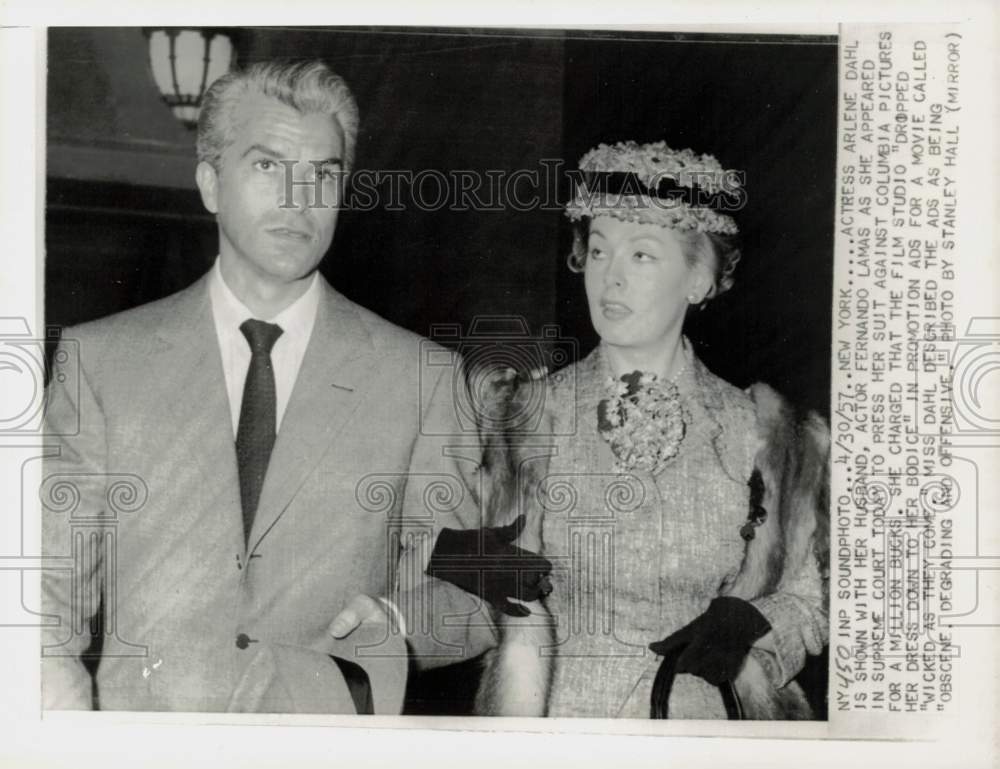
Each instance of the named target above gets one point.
<point>643,420</point>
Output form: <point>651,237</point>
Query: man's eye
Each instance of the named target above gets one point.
<point>264,164</point>
<point>328,174</point>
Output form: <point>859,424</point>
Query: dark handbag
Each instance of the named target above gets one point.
<point>664,683</point>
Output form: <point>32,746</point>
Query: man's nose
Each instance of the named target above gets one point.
<point>304,190</point>
<point>300,186</point>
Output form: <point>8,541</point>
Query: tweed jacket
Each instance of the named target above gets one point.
<point>637,556</point>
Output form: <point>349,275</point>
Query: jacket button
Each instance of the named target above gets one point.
<point>242,641</point>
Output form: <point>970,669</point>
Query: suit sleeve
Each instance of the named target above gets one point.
<point>799,620</point>
<point>444,624</point>
<point>73,508</point>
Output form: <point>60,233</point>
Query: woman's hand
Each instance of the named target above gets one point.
<point>485,562</point>
<point>717,641</point>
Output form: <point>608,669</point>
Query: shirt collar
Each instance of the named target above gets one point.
<point>296,320</point>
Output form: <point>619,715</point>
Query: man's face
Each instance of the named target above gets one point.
<point>257,236</point>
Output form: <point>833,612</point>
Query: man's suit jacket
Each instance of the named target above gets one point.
<point>145,497</point>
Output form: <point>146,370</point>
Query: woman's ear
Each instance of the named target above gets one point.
<point>207,179</point>
<point>700,286</point>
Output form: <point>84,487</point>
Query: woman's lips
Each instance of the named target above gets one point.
<point>615,310</point>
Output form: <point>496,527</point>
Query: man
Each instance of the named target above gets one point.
<point>273,434</point>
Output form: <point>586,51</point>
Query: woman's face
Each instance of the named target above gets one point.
<point>638,282</point>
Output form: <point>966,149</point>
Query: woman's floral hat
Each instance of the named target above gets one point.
<point>653,184</point>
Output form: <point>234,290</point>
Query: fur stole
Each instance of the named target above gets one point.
<point>791,458</point>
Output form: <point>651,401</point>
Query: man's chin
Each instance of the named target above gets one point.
<point>289,268</point>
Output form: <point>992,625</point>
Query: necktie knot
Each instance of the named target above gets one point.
<point>260,335</point>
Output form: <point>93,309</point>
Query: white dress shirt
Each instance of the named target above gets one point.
<point>296,321</point>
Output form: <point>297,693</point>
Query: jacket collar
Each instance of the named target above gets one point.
<point>329,388</point>
<point>330,385</point>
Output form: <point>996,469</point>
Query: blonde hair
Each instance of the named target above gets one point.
<point>309,87</point>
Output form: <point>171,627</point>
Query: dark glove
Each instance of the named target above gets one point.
<point>712,646</point>
<point>717,641</point>
<point>486,563</point>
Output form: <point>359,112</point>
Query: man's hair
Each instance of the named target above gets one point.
<point>307,86</point>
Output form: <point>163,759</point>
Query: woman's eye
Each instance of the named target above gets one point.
<point>596,253</point>
<point>642,256</point>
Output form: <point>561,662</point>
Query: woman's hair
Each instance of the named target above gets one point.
<point>309,87</point>
<point>719,251</point>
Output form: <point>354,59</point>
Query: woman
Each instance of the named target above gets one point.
<point>677,510</point>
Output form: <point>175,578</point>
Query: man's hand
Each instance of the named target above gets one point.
<point>485,562</point>
<point>362,608</point>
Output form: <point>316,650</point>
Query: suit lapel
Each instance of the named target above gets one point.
<point>189,405</point>
<point>730,444</point>
<point>592,450</point>
<point>329,387</point>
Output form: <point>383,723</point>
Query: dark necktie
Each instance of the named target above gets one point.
<point>258,417</point>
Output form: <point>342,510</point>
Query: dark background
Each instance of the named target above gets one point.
<point>124,224</point>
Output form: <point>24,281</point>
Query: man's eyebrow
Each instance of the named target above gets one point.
<point>263,150</point>
<point>270,152</point>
